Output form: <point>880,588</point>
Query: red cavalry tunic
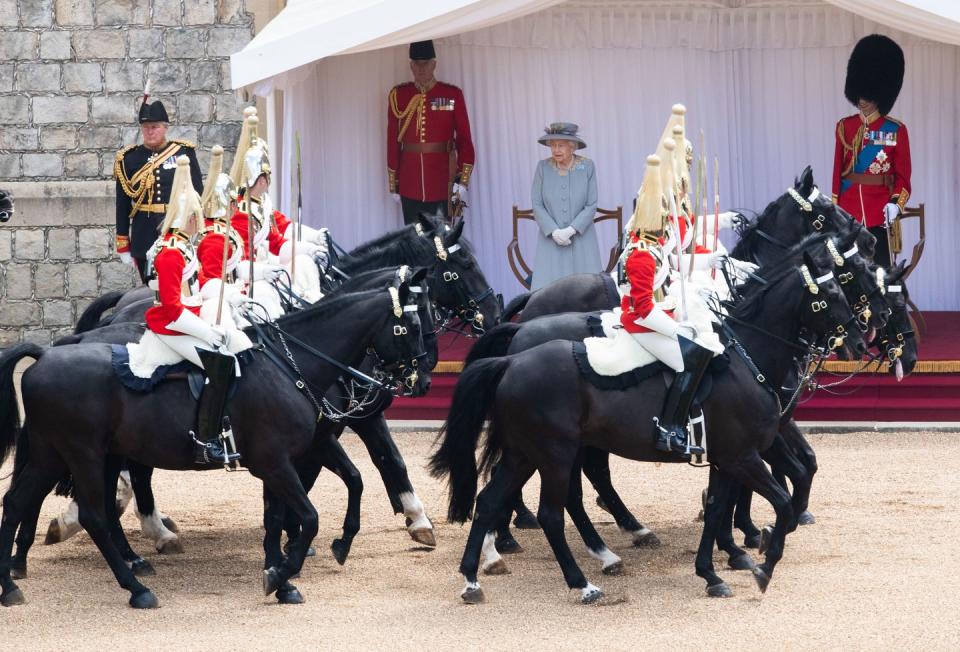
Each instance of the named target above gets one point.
<point>275,239</point>
<point>210,251</point>
<point>887,159</point>
<point>641,269</point>
<point>171,263</point>
<point>425,129</point>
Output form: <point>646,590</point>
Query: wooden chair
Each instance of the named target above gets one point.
<point>896,247</point>
<point>518,264</point>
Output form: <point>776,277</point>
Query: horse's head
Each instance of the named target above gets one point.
<point>6,205</point>
<point>420,297</point>
<point>458,282</point>
<point>824,215</point>
<point>858,282</point>
<point>897,338</point>
<point>824,310</point>
<point>398,342</point>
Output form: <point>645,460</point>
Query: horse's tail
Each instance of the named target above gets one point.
<point>494,344</point>
<point>9,411</point>
<point>516,304</point>
<point>456,455</point>
<point>92,314</point>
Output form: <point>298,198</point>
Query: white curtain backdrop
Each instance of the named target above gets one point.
<point>764,84</point>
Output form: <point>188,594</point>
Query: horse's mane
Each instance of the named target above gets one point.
<point>325,307</point>
<point>753,290</point>
<point>381,241</point>
<point>398,251</point>
<point>746,248</point>
<point>361,278</point>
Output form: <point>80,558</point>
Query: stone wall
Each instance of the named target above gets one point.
<point>72,74</point>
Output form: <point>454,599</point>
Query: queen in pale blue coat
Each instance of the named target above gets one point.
<point>564,202</point>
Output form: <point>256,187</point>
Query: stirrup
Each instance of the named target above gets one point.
<point>207,453</point>
<point>671,441</point>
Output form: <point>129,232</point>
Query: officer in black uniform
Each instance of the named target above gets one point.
<point>144,175</point>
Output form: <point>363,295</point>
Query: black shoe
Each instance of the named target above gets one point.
<point>673,439</point>
<point>670,432</point>
<point>206,453</point>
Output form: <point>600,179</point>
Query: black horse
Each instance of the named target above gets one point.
<point>6,205</point>
<point>536,430</point>
<point>456,284</point>
<point>81,420</point>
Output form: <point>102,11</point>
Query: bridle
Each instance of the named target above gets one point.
<point>467,307</point>
<point>892,343</point>
<point>860,303</point>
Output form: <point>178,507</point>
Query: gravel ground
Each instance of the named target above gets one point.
<point>879,569</point>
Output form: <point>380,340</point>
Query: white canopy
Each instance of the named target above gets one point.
<point>309,30</point>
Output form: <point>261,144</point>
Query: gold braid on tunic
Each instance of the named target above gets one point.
<point>137,187</point>
<point>416,103</point>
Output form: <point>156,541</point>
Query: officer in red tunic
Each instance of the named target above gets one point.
<point>871,163</point>
<point>654,328</point>
<point>428,139</point>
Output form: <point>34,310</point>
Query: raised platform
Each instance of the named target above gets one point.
<point>931,394</point>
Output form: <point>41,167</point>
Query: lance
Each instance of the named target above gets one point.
<point>676,232</point>
<point>716,208</point>
<point>297,228</point>
<point>253,141</point>
<point>701,193</point>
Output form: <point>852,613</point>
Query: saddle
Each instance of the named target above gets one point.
<point>182,370</point>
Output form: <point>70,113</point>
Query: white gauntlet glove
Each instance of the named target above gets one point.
<point>558,237</point>
<point>395,196</point>
<point>459,189</point>
<point>890,213</point>
<point>126,258</point>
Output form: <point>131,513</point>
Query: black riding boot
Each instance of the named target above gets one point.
<point>208,448</point>
<point>670,431</point>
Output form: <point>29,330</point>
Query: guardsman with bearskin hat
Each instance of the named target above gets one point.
<point>144,175</point>
<point>428,139</point>
<point>871,163</point>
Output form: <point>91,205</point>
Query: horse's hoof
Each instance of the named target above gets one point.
<point>170,547</point>
<point>591,595</point>
<point>763,580</point>
<point>340,550</point>
<point>54,535</point>
<point>508,545</point>
<point>170,524</point>
<point>473,596</point>
<point>289,594</point>
<point>720,590</point>
<point>271,580</point>
<point>646,540</point>
<point>12,598</point>
<point>766,534</point>
<point>499,567</point>
<point>741,562</point>
<point>616,568</point>
<point>806,518</point>
<point>424,536</point>
<point>142,568</point>
<point>751,541</point>
<point>18,572</point>
<point>602,505</point>
<point>145,600</point>
<point>526,521</point>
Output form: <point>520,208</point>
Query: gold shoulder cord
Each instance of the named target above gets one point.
<point>137,187</point>
<point>853,147</point>
<point>407,114</point>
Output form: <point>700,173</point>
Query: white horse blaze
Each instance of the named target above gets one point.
<point>413,509</point>
<point>604,556</point>
<point>153,528</point>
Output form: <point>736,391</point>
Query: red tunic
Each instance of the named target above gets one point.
<point>866,202</point>
<point>275,240</point>
<point>169,265</point>
<point>429,120</point>
<point>210,253</point>
<point>640,269</point>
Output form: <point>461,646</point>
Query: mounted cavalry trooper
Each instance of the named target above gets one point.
<point>271,231</point>
<point>175,331</point>
<point>648,314</point>
<point>871,162</point>
<point>144,175</point>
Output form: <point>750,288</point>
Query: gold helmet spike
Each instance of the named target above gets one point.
<point>184,202</point>
<point>649,214</point>
<point>216,167</point>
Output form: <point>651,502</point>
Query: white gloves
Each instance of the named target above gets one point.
<point>459,189</point>
<point>395,197</point>
<point>268,272</point>
<point>564,236</point>
<point>126,258</point>
<point>718,260</point>
<point>687,330</point>
<point>890,212</point>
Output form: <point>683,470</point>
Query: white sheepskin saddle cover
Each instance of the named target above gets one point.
<point>149,353</point>
<point>618,352</point>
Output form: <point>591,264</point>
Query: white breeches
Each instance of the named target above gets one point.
<point>664,348</point>
<point>186,345</point>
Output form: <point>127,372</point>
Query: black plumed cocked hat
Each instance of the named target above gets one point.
<point>153,112</point>
<point>875,72</point>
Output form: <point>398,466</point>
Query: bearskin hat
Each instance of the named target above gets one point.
<point>875,72</point>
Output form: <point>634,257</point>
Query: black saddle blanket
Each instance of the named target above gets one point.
<point>120,360</point>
